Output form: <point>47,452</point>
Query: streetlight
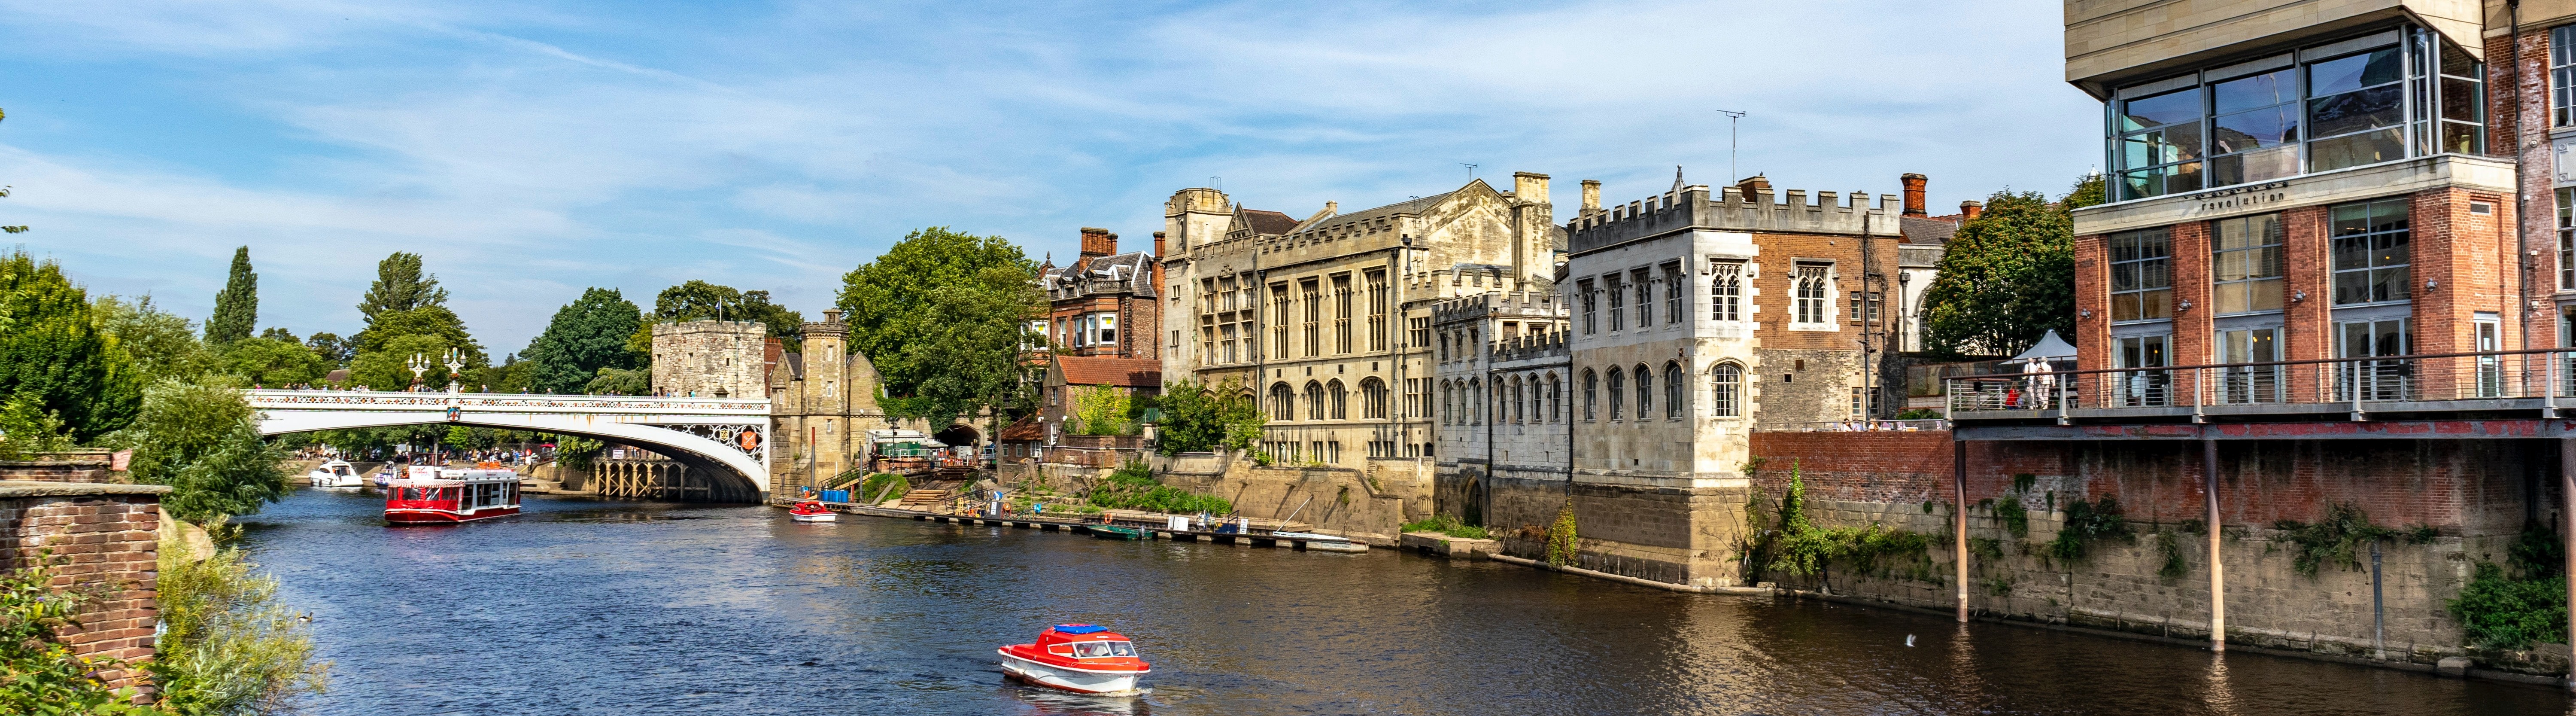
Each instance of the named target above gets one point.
<point>455,363</point>
<point>419,364</point>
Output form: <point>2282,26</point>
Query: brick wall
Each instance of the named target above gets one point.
<point>107,538</point>
<point>86,466</point>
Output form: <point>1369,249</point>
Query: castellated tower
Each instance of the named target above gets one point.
<point>710,359</point>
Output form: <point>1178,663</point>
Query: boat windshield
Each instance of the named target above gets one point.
<point>1102,649</point>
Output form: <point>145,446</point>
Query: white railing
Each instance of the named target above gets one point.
<point>2356,385</point>
<point>270,399</point>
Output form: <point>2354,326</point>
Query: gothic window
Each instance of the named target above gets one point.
<point>1725,290</point>
<point>1645,393</point>
<point>1726,390</point>
<point>1673,395</point>
<point>1314,400</point>
<point>1341,400</point>
<point>1618,393</point>
<point>1809,293</point>
<point>1373,398</point>
<point>1283,402</point>
<point>1674,282</point>
<point>1591,393</point>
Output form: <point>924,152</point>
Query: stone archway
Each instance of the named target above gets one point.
<point>959,435</point>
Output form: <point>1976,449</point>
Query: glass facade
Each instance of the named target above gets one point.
<point>2245,264</point>
<point>2142,275</point>
<point>2382,97</point>
<point>2371,252</point>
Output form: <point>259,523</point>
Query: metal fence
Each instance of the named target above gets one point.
<point>2355,383</point>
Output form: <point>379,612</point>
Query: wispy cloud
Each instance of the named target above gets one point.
<point>530,151</point>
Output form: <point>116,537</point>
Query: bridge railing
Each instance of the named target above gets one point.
<point>507,402</point>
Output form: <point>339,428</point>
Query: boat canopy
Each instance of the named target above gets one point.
<point>1079,628</point>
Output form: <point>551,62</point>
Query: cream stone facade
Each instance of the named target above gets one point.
<point>822,403</point>
<point>1328,319</point>
<point>719,359</point>
<point>1502,395</point>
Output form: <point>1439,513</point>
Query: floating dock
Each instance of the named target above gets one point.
<point>1154,530</point>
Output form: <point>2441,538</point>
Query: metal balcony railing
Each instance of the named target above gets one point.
<point>2531,379</point>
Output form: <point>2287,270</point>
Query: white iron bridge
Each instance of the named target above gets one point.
<point>726,438</point>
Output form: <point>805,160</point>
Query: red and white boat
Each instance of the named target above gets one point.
<point>427,495</point>
<point>811,511</point>
<point>1080,658</point>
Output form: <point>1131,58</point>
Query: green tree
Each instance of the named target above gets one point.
<point>270,362</point>
<point>944,316</point>
<point>619,381</point>
<point>389,367</point>
<point>1197,417</point>
<point>201,438</point>
<point>227,645</point>
<point>401,285</point>
<point>55,352</point>
<point>280,334</point>
<point>2007,278</point>
<point>702,301</point>
<point>511,376</point>
<point>163,345</point>
<point>1102,410</point>
<point>237,306</point>
<point>334,349</point>
<point>586,335</point>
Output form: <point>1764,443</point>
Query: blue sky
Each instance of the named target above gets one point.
<point>529,150</point>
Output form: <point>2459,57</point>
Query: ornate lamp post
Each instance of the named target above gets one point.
<point>455,363</point>
<point>419,364</point>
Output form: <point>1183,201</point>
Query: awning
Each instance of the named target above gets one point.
<point>2050,347</point>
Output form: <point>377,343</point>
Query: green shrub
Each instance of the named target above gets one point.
<point>2500,612</point>
<point>1133,487</point>
<point>2016,518</point>
<point>2085,522</point>
<point>2171,548</point>
<point>1447,524</point>
<point>43,675</point>
<point>876,485</point>
<point>2342,536</point>
<point>227,646</point>
<point>1561,539</point>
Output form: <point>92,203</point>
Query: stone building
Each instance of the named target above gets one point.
<point>822,403</point>
<point>1503,385</point>
<point>719,359</point>
<point>1328,320</point>
<point>1103,304</point>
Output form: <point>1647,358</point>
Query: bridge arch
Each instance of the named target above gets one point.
<point>726,439</point>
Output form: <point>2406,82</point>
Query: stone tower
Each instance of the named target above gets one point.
<point>710,359</point>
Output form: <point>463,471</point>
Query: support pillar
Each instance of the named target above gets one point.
<point>2567,529</point>
<point>2217,568</point>
<point>1959,516</point>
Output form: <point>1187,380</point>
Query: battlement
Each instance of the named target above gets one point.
<point>1526,304</point>
<point>1734,209</point>
<point>1551,344</point>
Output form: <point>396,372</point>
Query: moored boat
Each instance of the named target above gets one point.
<point>1322,542</point>
<point>1080,658</point>
<point>335,473</point>
<point>811,511</point>
<point>1117,532</point>
<point>427,495</point>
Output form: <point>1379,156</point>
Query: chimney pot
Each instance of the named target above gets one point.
<point>1970,209</point>
<point>1158,244</point>
<point>1591,196</point>
<point>1098,242</point>
<point>1913,194</point>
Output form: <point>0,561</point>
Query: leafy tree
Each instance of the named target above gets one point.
<point>237,306</point>
<point>55,352</point>
<point>2007,278</point>
<point>702,301</point>
<point>26,429</point>
<point>619,381</point>
<point>2089,190</point>
<point>334,349</point>
<point>1197,417</point>
<point>271,362</point>
<point>202,439</point>
<point>423,321</point>
<point>586,335</point>
<point>511,376</point>
<point>400,285</point>
<point>944,316</point>
<point>1102,410</point>
<point>163,345</point>
<point>280,334</point>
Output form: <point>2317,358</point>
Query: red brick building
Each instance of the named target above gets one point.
<point>1102,305</point>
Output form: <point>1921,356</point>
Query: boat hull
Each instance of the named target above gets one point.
<point>1119,533</point>
<point>444,517</point>
<point>822,517</point>
<point>1080,681</point>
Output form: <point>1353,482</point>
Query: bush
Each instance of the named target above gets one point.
<point>42,675</point>
<point>1133,487</point>
<point>2503,613</point>
<point>2085,522</point>
<point>227,646</point>
<point>1447,524</point>
<point>876,484</point>
<point>1562,544</point>
<point>202,439</point>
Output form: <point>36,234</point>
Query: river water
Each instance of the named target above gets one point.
<point>595,607</point>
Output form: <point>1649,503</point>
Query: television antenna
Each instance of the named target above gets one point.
<point>1732,117</point>
<point>1471,170</point>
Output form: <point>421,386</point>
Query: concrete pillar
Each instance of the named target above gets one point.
<point>1959,516</point>
<point>2217,570</point>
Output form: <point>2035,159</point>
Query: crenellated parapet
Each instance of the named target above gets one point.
<point>1735,208</point>
<point>1551,344</point>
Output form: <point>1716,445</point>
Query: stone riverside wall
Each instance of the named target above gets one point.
<point>1369,505</point>
<point>1675,535</point>
<point>2475,493</point>
<point>106,540</point>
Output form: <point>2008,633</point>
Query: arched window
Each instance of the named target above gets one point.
<point>1314,400</point>
<point>1476,402</point>
<point>1645,393</point>
<point>1726,390</point>
<point>1501,409</point>
<point>1555,398</point>
<point>1283,402</point>
<point>1537,410</point>
<point>1516,414</point>
<point>1591,393</point>
<point>1673,394</point>
<point>1618,393</point>
<point>1373,398</point>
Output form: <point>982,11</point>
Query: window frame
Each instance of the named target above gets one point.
<point>2156,269</point>
<point>2375,274</point>
<point>1725,290</point>
<point>2248,284</point>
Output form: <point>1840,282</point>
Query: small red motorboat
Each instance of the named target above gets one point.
<point>1080,658</point>
<point>811,511</point>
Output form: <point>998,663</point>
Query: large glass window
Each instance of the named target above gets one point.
<point>2371,252</point>
<point>2141,275</point>
<point>2562,77</point>
<point>1726,390</point>
<point>2567,237</point>
<point>2240,384</point>
<point>2355,106</point>
<point>2245,266</point>
<point>1726,288</point>
<point>2140,388</point>
<point>2254,135</point>
<point>2377,379</point>
<point>2158,145</point>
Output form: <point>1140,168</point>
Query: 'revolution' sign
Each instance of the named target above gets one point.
<point>2237,197</point>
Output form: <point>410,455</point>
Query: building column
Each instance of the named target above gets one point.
<point>2217,569</point>
<point>1959,515</point>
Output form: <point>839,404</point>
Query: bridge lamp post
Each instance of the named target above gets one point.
<point>419,364</point>
<point>455,365</point>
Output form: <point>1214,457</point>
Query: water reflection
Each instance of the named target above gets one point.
<point>606,607</point>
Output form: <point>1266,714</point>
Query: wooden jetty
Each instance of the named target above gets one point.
<point>1155,525</point>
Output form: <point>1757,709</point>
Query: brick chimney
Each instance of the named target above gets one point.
<point>1591,196</point>
<point>1968,210</point>
<point>1913,194</point>
<point>1098,242</point>
<point>1158,244</point>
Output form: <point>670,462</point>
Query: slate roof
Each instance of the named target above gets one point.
<point>1918,230</point>
<point>1415,206</point>
<point>1268,223</point>
<point>1121,372</point>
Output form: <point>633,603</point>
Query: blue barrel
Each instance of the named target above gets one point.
<point>836,495</point>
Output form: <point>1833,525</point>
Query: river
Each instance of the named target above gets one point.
<point>594,607</point>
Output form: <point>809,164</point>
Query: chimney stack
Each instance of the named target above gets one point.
<point>1158,244</point>
<point>1098,242</point>
<point>1591,196</point>
<point>1529,187</point>
<point>1968,210</point>
<point>1913,194</point>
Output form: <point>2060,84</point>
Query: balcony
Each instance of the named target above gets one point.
<point>2526,385</point>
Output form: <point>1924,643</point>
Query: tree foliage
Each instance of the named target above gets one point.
<point>620,381</point>
<point>55,352</point>
<point>2007,278</point>
<point>1102,410</point>
<point>401,285</point>
<point>227,646</point>
<point>272,363</point>
<point>162,345</point>
<point>1197,417</point>
<point>334,350</point>
<point>586,335</point>
<point>389,367</point>
<point>944,316</point>
<point>237,306</point>
<point>202,439</point>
